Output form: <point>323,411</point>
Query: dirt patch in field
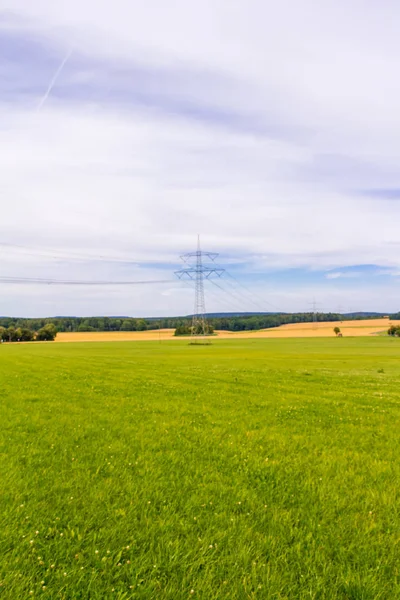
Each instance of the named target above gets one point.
<point>294,330</point>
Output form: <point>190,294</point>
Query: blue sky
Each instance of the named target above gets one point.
<point>270,130</point>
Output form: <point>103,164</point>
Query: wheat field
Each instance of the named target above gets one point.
<point>364,328</point>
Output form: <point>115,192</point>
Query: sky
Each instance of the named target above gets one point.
<point>270,129</point>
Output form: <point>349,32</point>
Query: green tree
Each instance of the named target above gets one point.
<point>128,325</point>
<point>183,330</point>
<point>26,335</point>
<point>336,330</point>
<point>11,334</point>
<point>46,333</point>
<point>85,327</point>
<point>141,325</point>
<point>209,329</point>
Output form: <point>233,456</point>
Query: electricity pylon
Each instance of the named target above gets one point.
<point>197,271</point>
<point>315,314</point>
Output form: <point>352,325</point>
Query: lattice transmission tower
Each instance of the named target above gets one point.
<point>315,314</point>
<point>200,266</point>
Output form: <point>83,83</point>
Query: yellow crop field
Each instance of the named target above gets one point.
<point>364,327</point>
<point>116,336</point>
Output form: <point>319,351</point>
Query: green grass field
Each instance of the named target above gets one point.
<point>247,469</point>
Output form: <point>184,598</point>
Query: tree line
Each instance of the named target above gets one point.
<point>47,333</point>
<point>222,322</point>
<point>265,321</point>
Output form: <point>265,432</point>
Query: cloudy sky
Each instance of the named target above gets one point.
<point>270,128</point>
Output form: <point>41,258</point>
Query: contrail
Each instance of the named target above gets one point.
<point>54,79</point>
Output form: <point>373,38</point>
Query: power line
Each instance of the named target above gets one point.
<point>244,298</point>
<point>222,297</point>
<point>198,272</point>
<point>217,297</point>
<point>252,295</point>
<point>37,280</point>
<point>261,299</point>
<point>200,267</point>
<point>239,301</point>
<point>226,286</point>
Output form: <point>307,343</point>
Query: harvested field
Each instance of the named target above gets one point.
<point>116,336</point>
<point>364,327</point>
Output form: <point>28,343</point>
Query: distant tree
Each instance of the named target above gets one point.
<point>186,329</point>
<point>85,327</point>
<point>11,334</point>
<point>128,325</point>
<point>141,325</point>
<point>26,335</point>
<point>46,333</point>
<point>209,329</point>
<point>336,330</point>
<point>394,330</point>
<point>183,330</point>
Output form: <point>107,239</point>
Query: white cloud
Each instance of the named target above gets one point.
<point>334,275</point>
<point>259,125</point>
<point>344,274</point>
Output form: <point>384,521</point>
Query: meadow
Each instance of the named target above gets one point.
<point>249,468</point>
